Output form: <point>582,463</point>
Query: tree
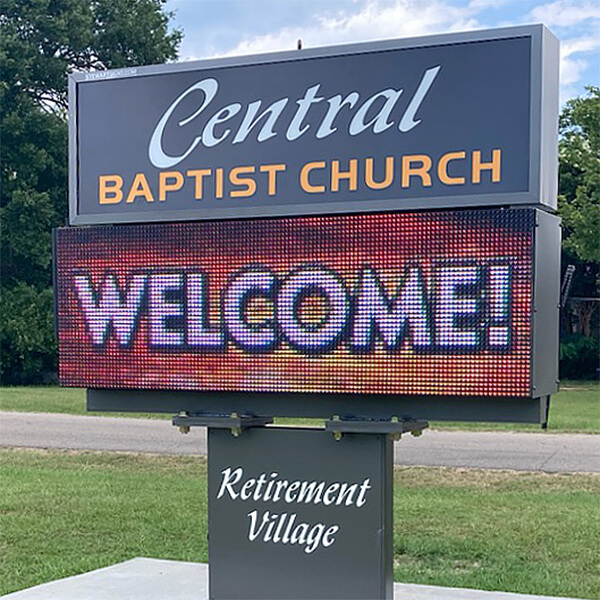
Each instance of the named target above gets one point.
<point>579,175</point>
<point>579,206</point>
<point>42,42</point>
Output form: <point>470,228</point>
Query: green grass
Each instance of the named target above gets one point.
<point>53,399</point>
<point>63,513</point>
<point>576,408</point>
<point>529,533</point>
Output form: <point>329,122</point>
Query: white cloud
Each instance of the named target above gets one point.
<point>577,45</point>
<point>580,18</point>
<point>570,70</point>
<point>572,64</point>
<point>375,19</point>
<point>566,13</point>
<point>577,23</point>
<point>485,4</point>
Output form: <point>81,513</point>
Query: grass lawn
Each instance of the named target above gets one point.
<point>576,408</point>
<point>63,513</point>
<point>54,399</point>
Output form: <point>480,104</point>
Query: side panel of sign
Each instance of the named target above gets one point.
<point>414,304</point>
<point>546,304</point>
<point>457,121</point>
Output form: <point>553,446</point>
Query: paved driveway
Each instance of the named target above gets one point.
<point>549,452</point>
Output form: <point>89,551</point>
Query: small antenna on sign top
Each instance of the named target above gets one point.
<point>299,44</point>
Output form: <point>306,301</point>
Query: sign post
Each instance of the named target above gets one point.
<point>300,514</point>
<point>363,234</point>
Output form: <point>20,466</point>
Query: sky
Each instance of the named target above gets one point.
<point>215,28</point>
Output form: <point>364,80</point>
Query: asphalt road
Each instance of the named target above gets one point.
<point>548,452</point>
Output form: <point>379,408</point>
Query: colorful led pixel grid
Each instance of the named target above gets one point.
<point>412,303</point>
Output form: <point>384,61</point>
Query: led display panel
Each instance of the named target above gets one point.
<point>436,303</point>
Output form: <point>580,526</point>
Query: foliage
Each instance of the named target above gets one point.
<point>579,356</point>
<point>42,42</point>
<point>579,177</point>
<point>45,40</point>
<point>579,206</point>
<point>27,333</point>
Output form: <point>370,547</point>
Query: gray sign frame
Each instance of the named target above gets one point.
<point>322,406</point>
<point>543,118</point>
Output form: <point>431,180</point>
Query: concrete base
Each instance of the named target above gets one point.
<point>153,579</point>
<point>135,579</point>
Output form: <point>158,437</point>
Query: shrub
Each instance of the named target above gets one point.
<point>579,357</point>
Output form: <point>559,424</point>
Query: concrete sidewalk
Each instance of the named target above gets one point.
<point>153,579</point>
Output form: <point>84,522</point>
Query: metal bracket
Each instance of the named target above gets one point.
<point>237,423</point>
<point>395,427</point>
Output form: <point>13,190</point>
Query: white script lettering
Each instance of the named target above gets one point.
<point>291,127</point>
